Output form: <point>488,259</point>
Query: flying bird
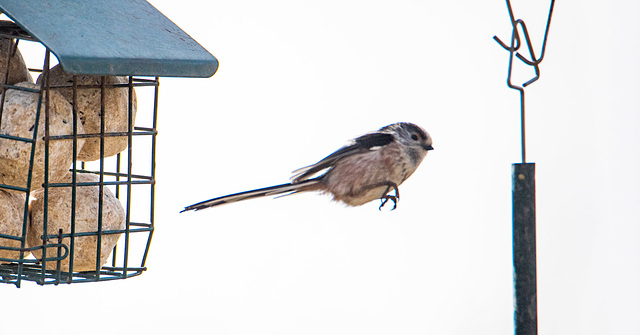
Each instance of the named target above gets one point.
<point>366,169</point>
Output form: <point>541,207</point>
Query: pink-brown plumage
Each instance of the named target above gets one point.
<point>366,170</point>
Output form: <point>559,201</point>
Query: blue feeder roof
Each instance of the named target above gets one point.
<point>114,37</point>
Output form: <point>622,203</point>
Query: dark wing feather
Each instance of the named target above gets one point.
<point>372,140</point>
<point>362,144</point>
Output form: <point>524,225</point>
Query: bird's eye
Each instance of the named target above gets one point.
<point>414,137</point>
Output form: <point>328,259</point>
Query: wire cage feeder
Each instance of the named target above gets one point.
<point>78,145</point>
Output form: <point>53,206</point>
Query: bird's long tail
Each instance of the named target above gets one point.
<point>284,189</point>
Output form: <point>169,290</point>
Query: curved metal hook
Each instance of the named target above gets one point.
<point>513,24</point>
<point>506,47</point>
<point>531,53</point>
<point>544,41</point>
<point>533,61</point>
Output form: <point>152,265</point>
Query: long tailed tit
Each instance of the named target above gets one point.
<point>365,170</point>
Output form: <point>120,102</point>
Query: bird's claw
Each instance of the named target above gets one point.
<point>386,199</point>
<point>395,188</point>
<point>395,198</point>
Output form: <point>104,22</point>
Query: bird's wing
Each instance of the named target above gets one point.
<point>362,144</point>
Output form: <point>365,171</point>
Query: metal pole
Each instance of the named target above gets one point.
<point>524,248</point>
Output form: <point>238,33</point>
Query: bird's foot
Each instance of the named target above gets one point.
<point>386,199</point>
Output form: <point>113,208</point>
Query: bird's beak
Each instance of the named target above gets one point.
<point>427,147</point>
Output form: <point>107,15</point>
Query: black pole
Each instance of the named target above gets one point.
<point>524,248</point>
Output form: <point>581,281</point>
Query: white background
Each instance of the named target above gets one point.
<point>299,78</point>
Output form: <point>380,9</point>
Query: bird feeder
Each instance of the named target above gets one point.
<point>78,108</point>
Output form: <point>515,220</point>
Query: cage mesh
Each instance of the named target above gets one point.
<point>128,176</point>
